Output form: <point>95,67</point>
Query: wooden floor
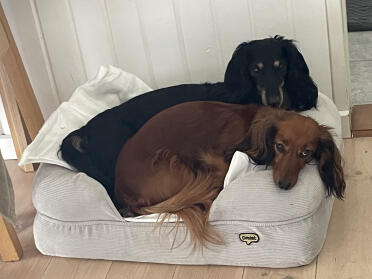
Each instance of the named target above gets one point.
<point>347,252</point>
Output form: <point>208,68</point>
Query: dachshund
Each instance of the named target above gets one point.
<point>270,71</point>
<point>176,163</point>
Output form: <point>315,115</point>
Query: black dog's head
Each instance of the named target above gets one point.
<point>272,72</point>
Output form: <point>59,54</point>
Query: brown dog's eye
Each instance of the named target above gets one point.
<point>305,154</point>
<point>279,147</point>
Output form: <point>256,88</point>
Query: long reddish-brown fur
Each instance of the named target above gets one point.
<point>176,163</point>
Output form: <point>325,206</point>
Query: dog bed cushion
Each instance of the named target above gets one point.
<point>261,224</point>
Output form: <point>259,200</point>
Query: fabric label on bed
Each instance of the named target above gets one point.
<point>249,238</point>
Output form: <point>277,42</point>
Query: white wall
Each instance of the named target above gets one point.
<point>30,43</point>
<point>165,42</point>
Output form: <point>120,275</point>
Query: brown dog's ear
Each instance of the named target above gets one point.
<point>330,168</point>
<point>259,144</point>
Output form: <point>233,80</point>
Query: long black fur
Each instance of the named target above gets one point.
<point>300,88</point>
<point>94,148</point>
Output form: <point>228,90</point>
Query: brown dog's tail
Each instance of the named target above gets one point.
<point>192,203</point>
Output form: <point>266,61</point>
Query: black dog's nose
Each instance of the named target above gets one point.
<point>275,104</point>
<point>274,101</point>
<point>284,185</point>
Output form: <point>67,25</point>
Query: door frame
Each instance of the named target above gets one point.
<point>339,58</point>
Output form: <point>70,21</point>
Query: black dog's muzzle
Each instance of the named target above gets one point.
<point>275,98</point>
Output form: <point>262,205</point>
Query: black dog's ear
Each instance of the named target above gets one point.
<point>237,77</point>
<point>330,164</point>
<point>298,84</point>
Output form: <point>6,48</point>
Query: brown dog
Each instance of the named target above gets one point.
<point>176,163</point>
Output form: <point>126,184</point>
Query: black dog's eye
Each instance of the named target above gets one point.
<point>279,147</point>
<point>256,70</point>
<point>280,66</point>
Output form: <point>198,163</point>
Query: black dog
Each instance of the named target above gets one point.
<point>270,71</point>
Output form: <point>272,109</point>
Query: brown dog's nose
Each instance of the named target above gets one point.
<point>285,185</point>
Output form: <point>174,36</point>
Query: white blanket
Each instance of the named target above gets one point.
<point>111,87</point>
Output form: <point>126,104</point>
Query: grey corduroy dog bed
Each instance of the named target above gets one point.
<point>261,224</point>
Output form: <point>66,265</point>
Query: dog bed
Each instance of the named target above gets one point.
<point>261,224</point>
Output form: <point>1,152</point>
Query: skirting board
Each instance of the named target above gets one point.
<point>361,120</point>
<point>345,124</point>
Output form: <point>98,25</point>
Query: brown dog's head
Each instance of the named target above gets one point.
<point>287,141</point>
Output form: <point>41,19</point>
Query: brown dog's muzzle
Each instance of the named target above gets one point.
<point>286,171</point>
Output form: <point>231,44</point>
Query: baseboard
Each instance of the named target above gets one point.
<point>361,120</point>
<point>362,133</point>
<point>7,147</point>
<point>345,124</point>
